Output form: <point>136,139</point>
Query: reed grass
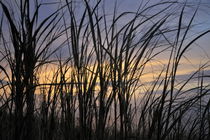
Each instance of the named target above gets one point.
<point>97,63</point>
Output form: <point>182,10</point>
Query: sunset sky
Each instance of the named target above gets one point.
<point>197,54</point>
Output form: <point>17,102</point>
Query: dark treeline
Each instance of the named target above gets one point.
<point>97,59</point>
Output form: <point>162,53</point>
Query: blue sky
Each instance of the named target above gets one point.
<point>203,16</point>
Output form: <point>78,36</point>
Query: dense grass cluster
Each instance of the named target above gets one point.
<point>78,72</point>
